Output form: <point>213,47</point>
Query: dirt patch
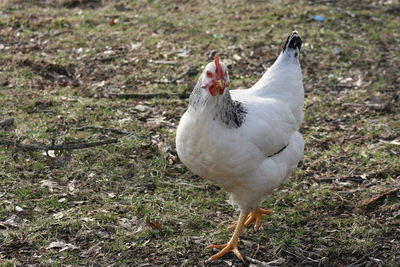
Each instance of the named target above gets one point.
<point>62,75</point>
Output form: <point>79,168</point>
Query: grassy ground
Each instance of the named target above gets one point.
<point>64,62</point>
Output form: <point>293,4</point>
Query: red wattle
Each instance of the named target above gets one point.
<point>212,90</point>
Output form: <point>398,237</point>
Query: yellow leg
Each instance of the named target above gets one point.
<point>253,217</point>
<point>233,242</point>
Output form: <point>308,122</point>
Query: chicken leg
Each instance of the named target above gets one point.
<point>233,242</point>
<point>253,217</point>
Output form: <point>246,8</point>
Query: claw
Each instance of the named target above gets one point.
<point>253,217</point>
<point>264,211</point>
<point>226,248</point>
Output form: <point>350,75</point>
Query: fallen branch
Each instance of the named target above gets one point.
<point>182,95</point>
<point>6,122</point>
<point>44,147</point>
<point>101,129</point>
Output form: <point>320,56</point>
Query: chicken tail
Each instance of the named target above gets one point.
<point>293,41</point>
<point>283,80</point>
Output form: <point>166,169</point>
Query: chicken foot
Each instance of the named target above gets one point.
<point>232,245</point>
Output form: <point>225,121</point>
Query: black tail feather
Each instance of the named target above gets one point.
<point>293,41</point>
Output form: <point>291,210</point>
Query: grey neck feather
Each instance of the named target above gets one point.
<point>231,112</point>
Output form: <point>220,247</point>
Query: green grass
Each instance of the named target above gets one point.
<point>133,202</point>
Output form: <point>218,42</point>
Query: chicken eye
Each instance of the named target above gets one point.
<point>209,74</point>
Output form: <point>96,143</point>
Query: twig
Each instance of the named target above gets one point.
<point>251,62</point>
<point>259,263</point>
<point>183,74</point>
<point>59,33</point>
<point>183,184</point>
<point>44,147</point>
<point>309,105</point>
<point>6,122</point>
<point>351,172</point>
<point>301,256</point>
<point>166,62</point>
<point>182,95</point>
<point>353,105</point>
<point>101,129</point>
<point>362,258</point>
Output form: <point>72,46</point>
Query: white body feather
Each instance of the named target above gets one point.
<point>239,159</point>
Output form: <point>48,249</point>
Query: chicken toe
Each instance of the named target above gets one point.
<point>253,217</point>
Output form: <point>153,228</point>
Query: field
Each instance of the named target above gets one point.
<point>75,72</point>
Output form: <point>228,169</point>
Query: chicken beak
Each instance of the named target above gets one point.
<point>219,87</point>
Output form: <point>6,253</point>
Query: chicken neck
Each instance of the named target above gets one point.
<point>231,112</point>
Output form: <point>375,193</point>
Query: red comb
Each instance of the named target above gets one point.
<point>218,69</point>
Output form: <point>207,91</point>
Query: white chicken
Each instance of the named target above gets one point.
<point>246,141</point>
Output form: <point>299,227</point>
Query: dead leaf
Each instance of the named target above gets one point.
<point>236,57</point>
<point>155,225</point>
<point>12,221</point>
<point>50,184</point>
<point>134,224</point>
<point>142,108</point>
<point>393,142</point>
<point>95,249</point>
<point>371,200</point>
<point>157,121</point>
<point>18,208</point>
<point>86,219</point>
<point>71,187</point>
<point>135,46</point>
<point>61,245</point>
<point>58,215</point>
